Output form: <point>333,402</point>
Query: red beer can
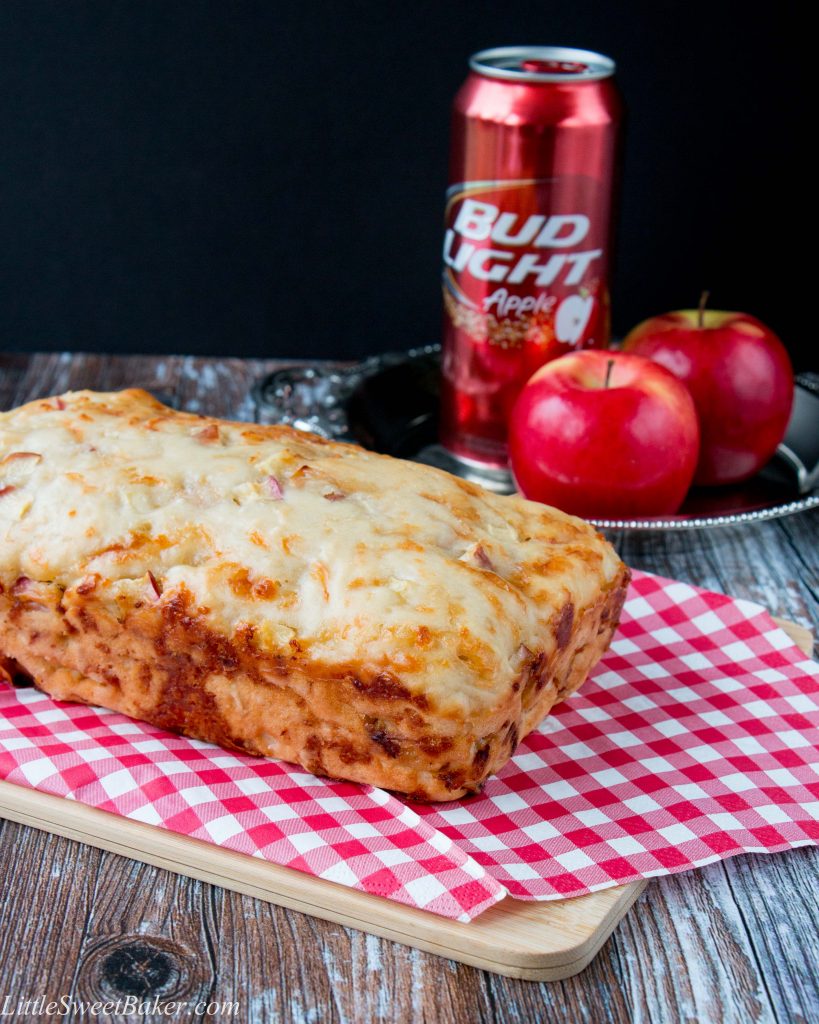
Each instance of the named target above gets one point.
<point>528,231</point>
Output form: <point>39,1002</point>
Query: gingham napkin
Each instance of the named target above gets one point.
<point>696,738</point>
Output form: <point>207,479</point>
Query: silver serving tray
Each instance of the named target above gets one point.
<point>389,403</point>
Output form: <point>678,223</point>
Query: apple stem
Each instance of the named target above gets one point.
<point>609,368</point>
<point>701,309</point>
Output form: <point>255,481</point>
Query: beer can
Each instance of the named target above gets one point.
<point>528,231</point>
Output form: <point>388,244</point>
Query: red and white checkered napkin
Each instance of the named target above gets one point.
<point>696,738</point>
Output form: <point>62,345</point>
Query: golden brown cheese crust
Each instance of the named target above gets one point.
<point>370,619</point>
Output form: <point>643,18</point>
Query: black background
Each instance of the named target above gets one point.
<point>267,178</point>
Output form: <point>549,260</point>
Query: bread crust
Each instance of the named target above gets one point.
<point>151,647</point>
<point>164,666</point>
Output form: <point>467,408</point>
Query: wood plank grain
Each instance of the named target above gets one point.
<point>171,959</point>
<point>781,931</point>
<point>731,942</point>
<point>12,370</point>
<point>689,950</point>
<point>47,894</point>
<point>756,561</point>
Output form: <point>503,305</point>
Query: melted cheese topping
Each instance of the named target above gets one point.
<point>354,558</point>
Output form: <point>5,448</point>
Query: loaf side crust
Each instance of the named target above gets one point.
<point>164,666</point>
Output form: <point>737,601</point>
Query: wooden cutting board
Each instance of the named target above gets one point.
<point>539,941</point>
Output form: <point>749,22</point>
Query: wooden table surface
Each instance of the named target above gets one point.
<point>734,942</point>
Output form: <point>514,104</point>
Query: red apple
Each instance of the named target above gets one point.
<point>604,435</point>
<point>739,376</point>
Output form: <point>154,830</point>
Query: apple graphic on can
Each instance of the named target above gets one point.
<point>572,318</point>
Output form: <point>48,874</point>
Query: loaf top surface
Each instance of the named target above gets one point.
<point>348,557</point>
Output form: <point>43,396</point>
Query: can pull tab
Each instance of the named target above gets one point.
<point>553,67</point>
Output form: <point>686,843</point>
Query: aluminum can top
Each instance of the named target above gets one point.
<point>562,64</point>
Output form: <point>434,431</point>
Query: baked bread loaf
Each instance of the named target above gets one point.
<point>282,595</point>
